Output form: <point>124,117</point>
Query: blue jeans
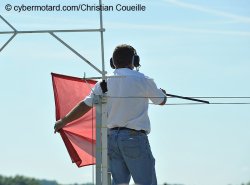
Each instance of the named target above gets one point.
<point>130,155</point>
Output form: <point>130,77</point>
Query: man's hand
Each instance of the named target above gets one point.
<point>165,98</point>
<point>58,125</point>
<point>78,111</point>
<point>163,90</point>
<point>104,87</point>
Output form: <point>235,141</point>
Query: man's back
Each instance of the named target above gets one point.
<point>128,96</point>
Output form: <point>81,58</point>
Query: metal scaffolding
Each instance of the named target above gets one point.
<point>102,175</point>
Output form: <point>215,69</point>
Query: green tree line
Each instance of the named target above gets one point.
<point>246,183</point>
<point>18,180</point>
<point>21,180</point>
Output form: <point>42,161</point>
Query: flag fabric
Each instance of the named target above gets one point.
<point>79,135</point>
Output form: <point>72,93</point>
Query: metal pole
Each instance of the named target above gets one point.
<point>103,132</point>
<point>48,31</point>
<point>187,98</point>
<point>97,102</point>
<point>102,42</point>
<point>6,43</point>
<point>74,51</point>
<point>12,27</point>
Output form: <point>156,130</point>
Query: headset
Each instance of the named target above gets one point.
<point>135,61</point>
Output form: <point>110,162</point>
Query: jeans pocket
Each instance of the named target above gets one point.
<point>112,147</point>
<point>131,147</point>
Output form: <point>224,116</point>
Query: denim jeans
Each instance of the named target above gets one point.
<point>130,155</point>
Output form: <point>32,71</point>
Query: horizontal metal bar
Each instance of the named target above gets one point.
<point>7,32</point>
<point>55,31</point>
<point>99,77</point>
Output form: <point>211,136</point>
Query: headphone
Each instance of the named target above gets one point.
<point>135,61</point>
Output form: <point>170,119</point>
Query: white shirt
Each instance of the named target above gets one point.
<point>128,98</point>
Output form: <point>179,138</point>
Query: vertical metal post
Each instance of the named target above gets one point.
<point>102,42</point>
<point>104,134</point>
<point>104,141</point>
<point>98,104</point>
<point>101,141</point>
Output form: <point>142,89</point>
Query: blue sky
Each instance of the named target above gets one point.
<point>190,48</point>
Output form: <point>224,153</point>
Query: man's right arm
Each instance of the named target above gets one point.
<point>78,111</point>
<point>156,95</point>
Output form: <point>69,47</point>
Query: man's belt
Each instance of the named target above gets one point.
<point>125,128</point>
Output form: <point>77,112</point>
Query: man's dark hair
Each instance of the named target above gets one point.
<point>123,55</point>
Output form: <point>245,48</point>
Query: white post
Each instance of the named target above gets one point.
<point>104,141</point>
<point>104,133</point>
<point>102,177</point>
<point>98,104</point>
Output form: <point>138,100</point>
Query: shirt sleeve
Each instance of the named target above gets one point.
<point>96,90</point>
<point>154,93</point>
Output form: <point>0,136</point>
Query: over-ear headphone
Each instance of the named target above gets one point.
<point>135,61</point>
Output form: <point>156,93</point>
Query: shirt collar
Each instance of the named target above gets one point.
<point>126,71</point>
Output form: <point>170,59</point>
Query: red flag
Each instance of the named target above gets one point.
<point>79,135</point>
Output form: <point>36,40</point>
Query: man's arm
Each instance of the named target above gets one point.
<point>78,111</point>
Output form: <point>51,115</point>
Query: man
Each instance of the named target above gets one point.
<point>128,122</point>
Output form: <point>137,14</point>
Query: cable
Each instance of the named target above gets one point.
<point>205,97</point>
<point>217,103</point>
<point>210,97</point>
<point>223,97</point>
<point>233,103</point>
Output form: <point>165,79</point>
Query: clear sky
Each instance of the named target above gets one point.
<point>190,48</point>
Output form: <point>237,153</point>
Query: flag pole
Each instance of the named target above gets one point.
<point>187,98</point>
